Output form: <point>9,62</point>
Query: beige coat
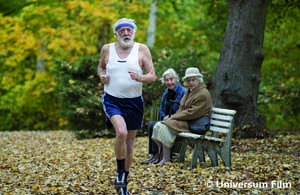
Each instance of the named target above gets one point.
<point>194,104</point>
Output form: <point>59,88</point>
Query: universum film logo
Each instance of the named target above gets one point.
<point>232,185</point>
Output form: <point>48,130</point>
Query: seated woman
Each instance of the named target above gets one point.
<point>196,103</point>
<point>169,105</point>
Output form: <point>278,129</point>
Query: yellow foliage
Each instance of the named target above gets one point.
<point>16,44</point>
<point>29,74</point>
<point>70,5</point>
<point>7,81</point>
<point>86,5</point>
<point>71,82</point>
<point>43,32</point>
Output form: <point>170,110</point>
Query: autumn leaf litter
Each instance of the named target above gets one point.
<point>57,163</point>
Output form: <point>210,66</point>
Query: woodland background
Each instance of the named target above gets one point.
<point>49,53</point>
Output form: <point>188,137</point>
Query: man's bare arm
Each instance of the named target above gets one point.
<point>147,65</point>
<point>102,64</point>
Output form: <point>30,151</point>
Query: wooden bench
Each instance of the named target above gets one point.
<point>217,141</point>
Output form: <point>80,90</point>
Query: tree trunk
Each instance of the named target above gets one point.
<point>237,77</point>
<point>152,25</point>
<point>40,62</point>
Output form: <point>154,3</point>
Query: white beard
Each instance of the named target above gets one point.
<point>126,44</point>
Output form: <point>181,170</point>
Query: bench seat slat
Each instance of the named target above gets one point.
<point>190,135</point>
<point>195,136</point>
<point>214,139</point>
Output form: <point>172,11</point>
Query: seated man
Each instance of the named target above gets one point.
<point>169,105</point>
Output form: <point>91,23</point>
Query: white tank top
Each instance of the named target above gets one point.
<point>120,83</point>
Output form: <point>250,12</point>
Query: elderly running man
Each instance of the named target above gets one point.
<point>123,67</point>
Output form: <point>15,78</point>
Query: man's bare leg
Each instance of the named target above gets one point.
<point>121,136</point>
<point>124,146</point>
<point>120,150</point>
<point>131,137</point>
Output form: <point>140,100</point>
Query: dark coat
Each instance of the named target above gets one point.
<point>194,104</point>
<point>180,91</point>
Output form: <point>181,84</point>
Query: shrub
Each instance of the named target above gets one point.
<point>80,96</point>
<point>80,90</point>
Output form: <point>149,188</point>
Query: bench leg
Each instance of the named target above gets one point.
<point>183,150</point>
<point>212,153</point>
<point>198,153</point>
<point>194,156</point>
<point>226,156</point>
<point>201,155</point>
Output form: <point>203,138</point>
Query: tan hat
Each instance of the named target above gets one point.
<point>192,72</point>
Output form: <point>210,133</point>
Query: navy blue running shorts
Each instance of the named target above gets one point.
<point>131,109</point>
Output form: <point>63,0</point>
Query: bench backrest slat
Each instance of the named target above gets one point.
<point>217,116</point>
<point>221,120</point>
<point>218,129</point>
<point>225,124</point>
<point>224,111</point>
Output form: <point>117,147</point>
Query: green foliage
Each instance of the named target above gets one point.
<point>188,33</point>
<point>179,60</point>
<point>280,102</point>
<point>80,95</point>
<point>280,87</point>
<point>12,6</point>
<point>30,106</point>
